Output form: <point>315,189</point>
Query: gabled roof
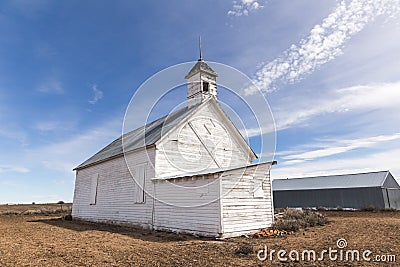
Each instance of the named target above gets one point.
<point>153,133</point>
<point>371,179</point>
<point>143,136</point>
<point>201,66</point>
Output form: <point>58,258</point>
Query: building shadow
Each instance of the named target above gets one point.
<point>130,231</point>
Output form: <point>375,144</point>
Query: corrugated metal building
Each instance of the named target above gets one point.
<point>378,189</point>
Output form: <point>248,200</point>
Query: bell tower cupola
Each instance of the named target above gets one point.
<point>201,81</point>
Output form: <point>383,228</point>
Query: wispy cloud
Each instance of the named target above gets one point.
<point>251,132</point>
<point>51,87</point>
<point>9,168</point>
<point>325,41</point>
<point>65,155</point>
<point>61,124</point>
<point>13,133</point>
<point>327,148</point>
<point>290,113</point>
<point>98,94</point>
<point>371,111</point>
<point>372,161</point>
<point>47,126</point>
<point>62,155</point>
<point>243,7</point>
<point>379,96</point>
<point>297,112</point>
<point>45,50</point>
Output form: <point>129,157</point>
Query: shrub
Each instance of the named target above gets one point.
<point>376,209</point>
<point>294,220</point>
<point>315,219</point>
<point>295,214</point>
<point>368,208</point>
<point>32,212</point>
<point>244,249</point>
<point>9,212</point>
<point>388,210</point>
<point>287,225</point>
<point>67,217</point>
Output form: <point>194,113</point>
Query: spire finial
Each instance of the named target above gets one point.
<point>201,52</point>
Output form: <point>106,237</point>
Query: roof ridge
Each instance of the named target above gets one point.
<point>330,175</point>
<point>354,180</point>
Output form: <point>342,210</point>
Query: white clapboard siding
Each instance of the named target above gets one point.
<point>188,205</point>
<point>246,200</point>
<point>115,198</point>
<point>220,205</point>
<point>182,151</point>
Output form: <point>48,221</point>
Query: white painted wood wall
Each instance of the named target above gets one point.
<point>115,200</point>
<point>220,205</point>
<point>175,211</point>
<point>188,205</point>
<point>246,200</point>
<point>225,204</point>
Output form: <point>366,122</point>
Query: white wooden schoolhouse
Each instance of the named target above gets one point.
<point>218,193</point>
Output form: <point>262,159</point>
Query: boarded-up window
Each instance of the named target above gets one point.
<point>140,178</point>
<point>93,189</point>
<point>258,189</point>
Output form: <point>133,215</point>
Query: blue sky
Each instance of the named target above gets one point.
<point>329,69</point>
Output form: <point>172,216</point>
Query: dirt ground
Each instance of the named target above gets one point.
<point>32,240</point>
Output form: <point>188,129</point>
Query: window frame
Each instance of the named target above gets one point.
<point>94,187</point>
<point>206,87</point>
<point>140,193</point>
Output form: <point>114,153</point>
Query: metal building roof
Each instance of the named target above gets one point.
<point>143,136</point>
<point>213,171</point>
<point>371,179</point>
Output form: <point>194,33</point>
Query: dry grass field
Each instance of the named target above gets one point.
<point>35,209</point>
<point>47,240</point>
